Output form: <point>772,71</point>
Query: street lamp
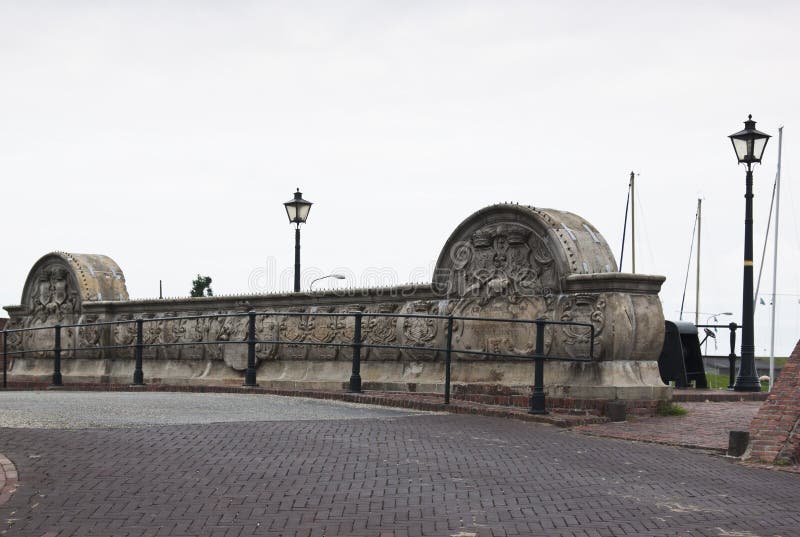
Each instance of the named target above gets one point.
<point>297,210</point>
<point>749,145</point>
<point>337,276</point>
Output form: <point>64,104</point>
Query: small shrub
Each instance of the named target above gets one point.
<point>666,408</point>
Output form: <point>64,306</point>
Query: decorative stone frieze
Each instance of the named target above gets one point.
<point>503,262</point>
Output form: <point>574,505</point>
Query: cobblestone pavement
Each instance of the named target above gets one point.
<point>705,425</point>
<point>384,475</point>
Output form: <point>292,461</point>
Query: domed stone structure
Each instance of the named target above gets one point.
<point>60,282</point>
<point>515,261</point>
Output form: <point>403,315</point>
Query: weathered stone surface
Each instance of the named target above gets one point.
<point>503,262</point>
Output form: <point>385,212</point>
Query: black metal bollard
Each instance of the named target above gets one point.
<point>250,374</point>
<point>537,395</point>
<point>138,374</point>
<point>355,376</point>
<point>737,443</point>
<point>448,352</point>
<point>57,358</point>
<point>732,357</point>
<point>5,359</point>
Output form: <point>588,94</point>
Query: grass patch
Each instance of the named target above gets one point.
<point>666,408</point>
<point>720,382</point>
<point>717,382</point>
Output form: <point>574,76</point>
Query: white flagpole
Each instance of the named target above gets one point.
<point>775,262</point>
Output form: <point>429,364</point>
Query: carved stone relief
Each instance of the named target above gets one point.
<point>171,331</point>
<point>501,260</point>
<point>234,330</point>
<point>266,330</point>
<point>420,331</point>
<point>151,335</point>
<point>575,341</point>
<point>89,336</point>
<point>322,329</point>
<point>13,341</point>
<point>498,336</point>
<point>124,334</point>
<point>380,331</point>
<point>294,329</point>
<point>53,300</point>
<point>193,331</point>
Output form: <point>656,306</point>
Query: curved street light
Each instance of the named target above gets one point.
<point>715,315</point>
<point>337,276</point>
<point>713,334</point>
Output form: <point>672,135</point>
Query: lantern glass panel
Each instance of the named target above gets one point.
<point>291,211</point>
<point>302,212</point>
<point>740,146</point>
<point>758,148</point>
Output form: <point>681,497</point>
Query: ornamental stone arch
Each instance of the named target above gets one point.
<point>519,249</point>
<point>60,282</point>
<point>513,262</point>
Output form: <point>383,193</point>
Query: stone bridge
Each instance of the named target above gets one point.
<point>504,261</point>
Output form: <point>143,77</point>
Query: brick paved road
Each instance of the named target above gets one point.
<point>440,475</point>
<point>706,426</point>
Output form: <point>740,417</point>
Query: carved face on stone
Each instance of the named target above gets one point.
<point>52,297</point>
<point>59,280</point>
<point>500,262</point>
<point>44,293</point>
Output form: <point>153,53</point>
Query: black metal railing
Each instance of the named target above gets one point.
<point>731,355</point>
<point>537,399</point>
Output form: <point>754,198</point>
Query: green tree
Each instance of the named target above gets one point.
<point>201,286</point>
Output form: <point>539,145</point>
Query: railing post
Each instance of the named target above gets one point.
<point>355,376</point>
<point>537,395</point>
<point>5,359</point>
<point>448,352</point>
<point>138,374</point>
<point>57,358</point>
<point>250,374</point>
<point>732,357</point>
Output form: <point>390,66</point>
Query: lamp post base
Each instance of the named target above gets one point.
<point>747,384</point>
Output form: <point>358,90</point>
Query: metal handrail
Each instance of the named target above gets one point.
<point>537,397</point>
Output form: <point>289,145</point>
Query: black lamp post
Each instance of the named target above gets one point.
<point>749,145</point>
<point>297,209</point>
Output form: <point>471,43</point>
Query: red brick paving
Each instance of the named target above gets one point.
<point>718,396</point>
<point>429,475</point>
<point>705,426</point>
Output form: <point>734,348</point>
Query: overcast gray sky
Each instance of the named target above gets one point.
<point>167,135</point>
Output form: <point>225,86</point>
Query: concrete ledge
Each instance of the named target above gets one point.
<point>624,380</point>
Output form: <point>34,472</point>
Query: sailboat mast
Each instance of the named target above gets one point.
<point>697,286</point>
<point>633,226</point>
<point>775,262</point>
<point>624,228</point>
